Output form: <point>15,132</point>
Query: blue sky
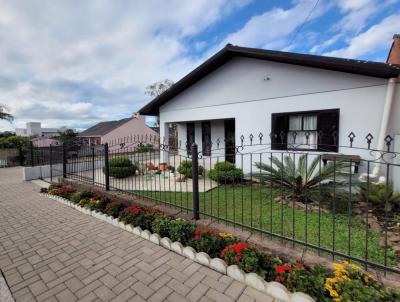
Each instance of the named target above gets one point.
<point>74,63</point>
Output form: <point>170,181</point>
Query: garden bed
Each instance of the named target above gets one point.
<point>242,261</point>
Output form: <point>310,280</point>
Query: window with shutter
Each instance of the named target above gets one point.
<point>316,130</point>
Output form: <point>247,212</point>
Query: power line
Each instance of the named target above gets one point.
<point>304,22</point>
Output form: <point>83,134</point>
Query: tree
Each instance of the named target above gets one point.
<point>158,88</point>
<point>67,135</point>
<point>4,115</point>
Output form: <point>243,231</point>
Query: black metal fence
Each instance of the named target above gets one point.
<point>344,204</point>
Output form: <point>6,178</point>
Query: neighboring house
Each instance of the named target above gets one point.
<point>242,91</point>
<point>35,129</point>
<point>113,132</point>
<point>44,142</point>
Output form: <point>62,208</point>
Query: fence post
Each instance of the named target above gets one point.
<point>31,153</point>
<point>21,156</point>
<point>64,161</point>
<point>106,167</point>
<point>51,163</point>
<point>93,172</point>
<point>195,180</point>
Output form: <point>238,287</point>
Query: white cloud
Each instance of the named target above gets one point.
<point>273,28</point>
<point>377,37</point>
<point>356,14</point>
<point>84,61</point>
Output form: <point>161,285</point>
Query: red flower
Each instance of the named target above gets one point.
<point>282,269</point>
<point>237,247</point>
<point>299,265</point>
<point>134,209</point>
<point>198,232</point>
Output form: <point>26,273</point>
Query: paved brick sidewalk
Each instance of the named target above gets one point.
<point>50,252</point>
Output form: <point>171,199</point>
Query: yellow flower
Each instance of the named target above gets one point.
<point>226,235</point>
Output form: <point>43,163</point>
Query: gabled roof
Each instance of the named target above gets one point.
<point>367,68</point>
<point>103,128</point>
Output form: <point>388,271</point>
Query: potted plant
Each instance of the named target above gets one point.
<point>163,167</point>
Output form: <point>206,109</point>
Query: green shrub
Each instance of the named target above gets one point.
<point>98,204</point>
<point>378,194</point>
<point>138,216</point>
<point>181,230</point>
<point>114,208</point>
<point>77,196</point>
<point>144,148</point>
<point>310,280</point>
<point>54,186</point>
<point>225,172</point>
<point>185,168</point>
<point>121,167</point>
<point>207,242</point>
<point>161,225</point>
<point>248,260</point>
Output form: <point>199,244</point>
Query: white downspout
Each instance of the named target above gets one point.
<point>391,87</point>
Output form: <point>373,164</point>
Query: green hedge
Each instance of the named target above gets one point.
<point>185,168</point>
<point>225,172</point>
<point>121,167</point>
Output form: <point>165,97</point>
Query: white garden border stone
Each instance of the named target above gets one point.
<point>275,289</point>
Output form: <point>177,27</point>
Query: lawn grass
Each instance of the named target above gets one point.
<point>253,207</point>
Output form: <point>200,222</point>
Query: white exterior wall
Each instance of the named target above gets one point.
<point>239,90</point>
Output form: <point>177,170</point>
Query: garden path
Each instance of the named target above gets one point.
<point>50,252</point>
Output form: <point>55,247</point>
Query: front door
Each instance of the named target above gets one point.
<point>230,149</point>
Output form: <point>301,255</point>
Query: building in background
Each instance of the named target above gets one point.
<point>35,129</point>
<point>112,131</point>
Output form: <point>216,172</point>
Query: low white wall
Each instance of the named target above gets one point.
<point>31,173</point>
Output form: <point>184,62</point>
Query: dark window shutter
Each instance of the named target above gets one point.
<point>206,138</point>
<point>279,129</point>
<point>189,137</point>
<point>328,130</point>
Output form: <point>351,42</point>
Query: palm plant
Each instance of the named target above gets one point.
<point>381,196</point>
<point>4,115</point>
<point>301,179</point>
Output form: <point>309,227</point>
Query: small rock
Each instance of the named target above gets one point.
<point>219,265</point>
<point>137,231</point>
<point>189,252</point>
<point>203,258</point>
<point>236,273</point>
<point>255,281</point>
<point>155,238</point>
<point>145,234</point>
<point>301,297</point>
<point>166,242</point>
<point>177,247</point>
<point>278,290</point>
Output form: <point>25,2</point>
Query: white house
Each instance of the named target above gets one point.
<point>295,100</point>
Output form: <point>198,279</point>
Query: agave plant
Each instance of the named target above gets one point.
<point>301,179</point>
<point>380,195</point>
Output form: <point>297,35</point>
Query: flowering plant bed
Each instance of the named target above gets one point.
<point>225,253</point>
